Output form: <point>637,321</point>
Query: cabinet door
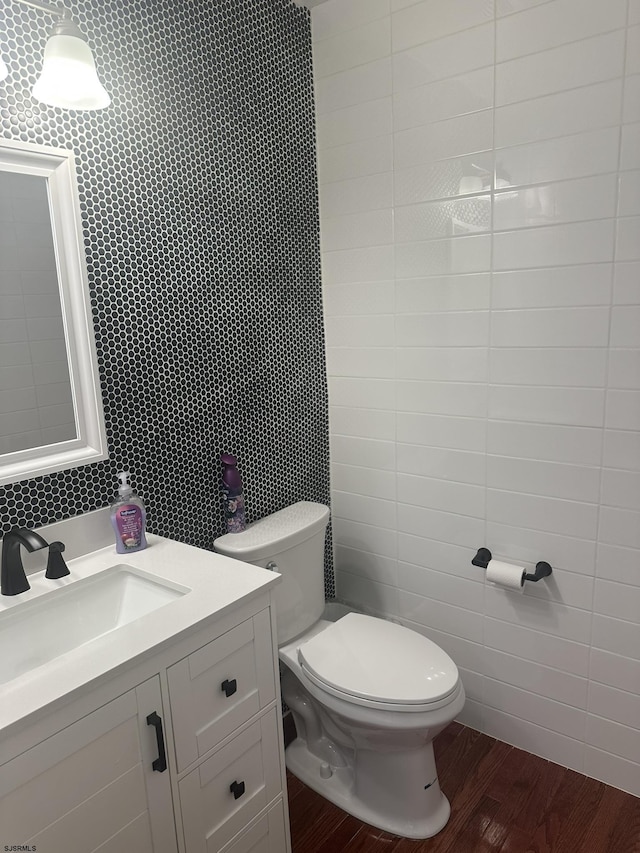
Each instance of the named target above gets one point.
<point>92,786</point>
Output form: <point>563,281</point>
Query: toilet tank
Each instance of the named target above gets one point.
<point>293,539</point>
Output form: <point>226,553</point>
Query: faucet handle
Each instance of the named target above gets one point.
<point>56,566</point>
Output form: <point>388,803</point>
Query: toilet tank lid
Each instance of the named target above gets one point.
<point>275,533</point>
<point>379,661</point>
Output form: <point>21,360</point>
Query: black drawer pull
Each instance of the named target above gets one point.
<point>237,789</point>
<point>229,687</point>
<point>159,763</point>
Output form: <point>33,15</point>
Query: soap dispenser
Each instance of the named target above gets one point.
<point>128,517</point>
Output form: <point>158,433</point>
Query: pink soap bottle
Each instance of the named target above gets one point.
<point>128,518</point>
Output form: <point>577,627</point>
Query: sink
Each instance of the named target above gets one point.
<point>38,631</point>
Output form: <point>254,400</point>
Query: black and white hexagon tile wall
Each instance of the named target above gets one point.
<point>200,215</point>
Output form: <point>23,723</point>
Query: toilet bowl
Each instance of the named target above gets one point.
<point>367,695</point>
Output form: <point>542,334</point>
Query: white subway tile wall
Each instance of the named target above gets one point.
<point>479,168</point>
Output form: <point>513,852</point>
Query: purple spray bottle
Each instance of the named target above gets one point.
<point>233,497</point>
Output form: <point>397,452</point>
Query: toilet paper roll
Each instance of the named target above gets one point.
<point>506,575</point>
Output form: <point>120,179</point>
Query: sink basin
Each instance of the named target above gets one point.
<point>35,632</point>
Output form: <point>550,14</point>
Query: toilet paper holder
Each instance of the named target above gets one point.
<point>484,555</point>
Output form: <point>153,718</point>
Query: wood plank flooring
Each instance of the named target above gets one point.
<point>503,800</point>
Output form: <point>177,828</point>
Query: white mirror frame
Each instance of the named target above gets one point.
<point>57,165</point>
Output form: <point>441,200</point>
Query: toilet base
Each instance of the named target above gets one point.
<point>338,788</point>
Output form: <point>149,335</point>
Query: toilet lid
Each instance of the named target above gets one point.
<point>379,661</point>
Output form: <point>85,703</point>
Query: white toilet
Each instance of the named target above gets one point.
<point>368,696</point>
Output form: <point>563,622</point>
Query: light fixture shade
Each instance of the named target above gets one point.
<point>4,71</point>
<point>69,78</point>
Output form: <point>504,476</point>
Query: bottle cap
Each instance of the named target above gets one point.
<point>230,475</point>
<point>124,488</point>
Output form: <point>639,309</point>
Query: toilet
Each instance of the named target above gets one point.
<point>367,696</point>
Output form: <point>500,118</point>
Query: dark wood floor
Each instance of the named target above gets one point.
<point>503,800</point>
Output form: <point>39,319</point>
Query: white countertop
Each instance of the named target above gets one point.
<point>216,585</point>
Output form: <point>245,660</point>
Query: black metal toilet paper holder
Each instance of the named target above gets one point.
<point>484,555</point>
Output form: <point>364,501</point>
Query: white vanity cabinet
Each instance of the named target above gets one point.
<point>89,776</point>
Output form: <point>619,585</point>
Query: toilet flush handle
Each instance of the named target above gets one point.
<point>272,567</point>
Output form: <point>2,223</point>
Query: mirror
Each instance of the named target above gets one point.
<point>50,404</point>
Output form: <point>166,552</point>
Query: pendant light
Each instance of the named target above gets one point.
<point>69,79</point>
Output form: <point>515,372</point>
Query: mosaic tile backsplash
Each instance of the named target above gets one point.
<point>200,213</point>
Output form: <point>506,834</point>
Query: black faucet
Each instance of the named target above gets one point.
<point>13,579</point>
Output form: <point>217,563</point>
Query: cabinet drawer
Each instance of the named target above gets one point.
<point>267,835</point>
<point>220,687</point>
<point>231,787</point>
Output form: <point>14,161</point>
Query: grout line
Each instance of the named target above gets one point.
<point>396,519</point>
<point>472,153</point>
<point>561,45</point>
<point>606,400</point>
<point>552,94</point>
<point>391,15</point>
<point>461,115</point>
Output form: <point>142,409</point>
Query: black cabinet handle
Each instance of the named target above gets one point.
<point>229,687</point>
<point>237,789</point>
<point>159,763</point>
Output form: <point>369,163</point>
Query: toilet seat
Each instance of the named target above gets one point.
<point>369,661</point>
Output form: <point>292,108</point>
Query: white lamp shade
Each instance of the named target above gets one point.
<point>69,78</point>
<point>4,71</point>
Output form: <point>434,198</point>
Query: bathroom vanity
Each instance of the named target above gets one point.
<point>153,732</point>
